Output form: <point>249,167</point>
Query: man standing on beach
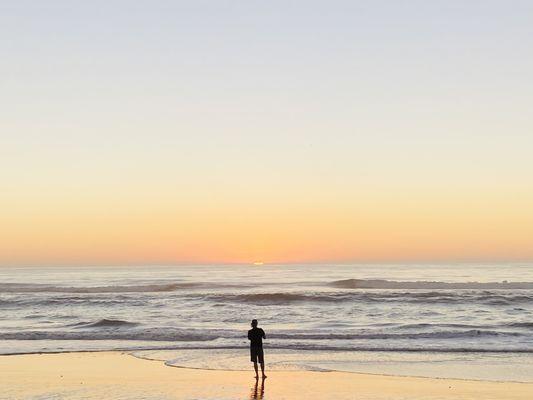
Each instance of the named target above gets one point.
<point>256,336</point>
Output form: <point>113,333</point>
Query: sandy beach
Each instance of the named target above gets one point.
<point>118,375</point>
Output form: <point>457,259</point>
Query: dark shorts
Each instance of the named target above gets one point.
<point>256,354</point>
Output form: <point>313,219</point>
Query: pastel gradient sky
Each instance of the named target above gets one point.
<point>155,132</point>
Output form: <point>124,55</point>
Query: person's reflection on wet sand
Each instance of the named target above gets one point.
<point>258,392</point>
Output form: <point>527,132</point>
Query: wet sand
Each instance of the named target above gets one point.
<point>117,375</point>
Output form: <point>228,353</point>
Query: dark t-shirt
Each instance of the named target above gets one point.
<point>256,336</point>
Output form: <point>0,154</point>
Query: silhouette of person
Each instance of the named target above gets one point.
<point>256,336</point>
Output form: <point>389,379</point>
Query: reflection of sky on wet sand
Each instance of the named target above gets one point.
<point>258,390</point>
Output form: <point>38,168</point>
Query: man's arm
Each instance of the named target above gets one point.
<point>264,336</point>
<point>249,338</point>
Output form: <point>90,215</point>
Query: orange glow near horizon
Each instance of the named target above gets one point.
<point>432,228</point>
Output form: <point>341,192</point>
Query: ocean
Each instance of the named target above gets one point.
<point>472,321</point>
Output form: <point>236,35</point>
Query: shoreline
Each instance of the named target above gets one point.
<point>119,374</point>
<point>325,371</point>
<point>131,353</point>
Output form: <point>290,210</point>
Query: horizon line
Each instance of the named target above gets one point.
<point>266,263</point>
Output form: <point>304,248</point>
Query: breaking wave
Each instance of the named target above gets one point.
<point>43,288</point>
<point>108,329</point>
<point>341,284</point>
<point>148,334</point>
<point>280,298</point>
<point>488,298</point>
<point>385,284</point>
<point>492,298</point>
<point>105,323</point>
<point>521,324</point>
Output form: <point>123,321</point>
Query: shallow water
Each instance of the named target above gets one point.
<point>410,319</point>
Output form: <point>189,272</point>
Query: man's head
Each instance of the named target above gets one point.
<point>254,323</point>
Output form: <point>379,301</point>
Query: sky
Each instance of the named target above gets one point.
<point>169,132</point>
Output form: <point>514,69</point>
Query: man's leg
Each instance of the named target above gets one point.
<point>261,357</point>
<point>255,367</point>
